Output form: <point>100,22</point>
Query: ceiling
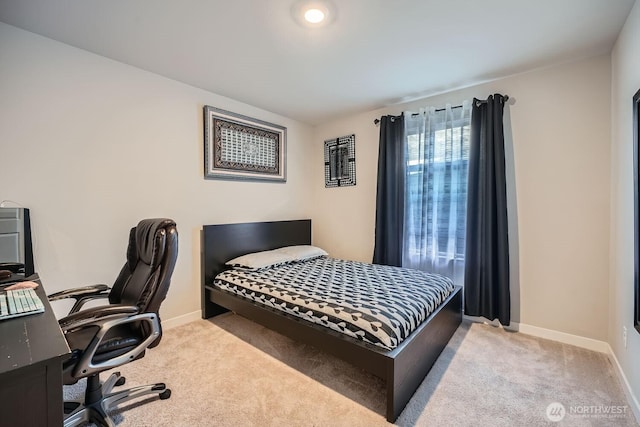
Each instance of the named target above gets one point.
<point>376,52</point>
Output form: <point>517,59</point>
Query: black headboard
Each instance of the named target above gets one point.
<point>220,243</point>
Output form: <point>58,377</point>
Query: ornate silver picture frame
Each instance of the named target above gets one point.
<point>242,148</point>
<point>340,161</point>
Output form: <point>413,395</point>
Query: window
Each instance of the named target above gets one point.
<point>437,158</point>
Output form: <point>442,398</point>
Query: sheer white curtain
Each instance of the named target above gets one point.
<point>437,159</point>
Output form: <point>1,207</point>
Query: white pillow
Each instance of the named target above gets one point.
<point>302,252</point>
<point>272,258</point>
<point>258,260</point>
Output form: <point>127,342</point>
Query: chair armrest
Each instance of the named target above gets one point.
<point>79,292</point>
<point>81,295</point>
<point>96,316</point>
<point>111,318</point>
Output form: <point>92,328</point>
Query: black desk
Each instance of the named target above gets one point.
<point>31,351</point>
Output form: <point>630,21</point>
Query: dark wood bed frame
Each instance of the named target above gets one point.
<point>403,368</point>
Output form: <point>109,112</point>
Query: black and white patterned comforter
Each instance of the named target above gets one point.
<point>377,304</point>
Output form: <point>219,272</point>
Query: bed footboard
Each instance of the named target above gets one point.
<point>415,358</point>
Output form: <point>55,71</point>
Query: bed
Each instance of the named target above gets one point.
<point>403,368</point>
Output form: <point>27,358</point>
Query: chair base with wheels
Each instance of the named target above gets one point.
<point>100,401</point>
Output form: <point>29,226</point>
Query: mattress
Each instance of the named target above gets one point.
<point>376,304</point>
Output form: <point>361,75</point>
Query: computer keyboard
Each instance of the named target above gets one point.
<point>19,302</point>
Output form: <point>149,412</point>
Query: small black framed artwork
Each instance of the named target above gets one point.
<point>238,147</point>
<point>340,161</point>
<point>636,210</point>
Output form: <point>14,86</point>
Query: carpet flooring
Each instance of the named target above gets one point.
<point>228,371</point>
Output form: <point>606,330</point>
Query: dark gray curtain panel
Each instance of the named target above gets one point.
<point>390,192</point>
<point>486,282</point>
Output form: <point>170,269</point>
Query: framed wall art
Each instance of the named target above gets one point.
<point>340,161</point>
<point>241,148</point>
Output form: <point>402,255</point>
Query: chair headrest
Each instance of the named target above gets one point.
<point>147,248</point>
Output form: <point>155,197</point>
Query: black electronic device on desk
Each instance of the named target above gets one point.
<point>16,249</point>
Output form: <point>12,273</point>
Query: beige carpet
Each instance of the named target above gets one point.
<point>229,371</point>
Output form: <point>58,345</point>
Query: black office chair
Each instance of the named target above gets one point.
<point>104,337</point>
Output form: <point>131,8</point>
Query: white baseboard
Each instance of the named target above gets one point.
<point>548,334</point>
<point>563,337</point>
<point>181,320</point>
<point>631,397</point>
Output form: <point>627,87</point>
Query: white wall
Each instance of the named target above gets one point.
<point>625,82</point>
<point>92,146</point>
<point>559,121</point>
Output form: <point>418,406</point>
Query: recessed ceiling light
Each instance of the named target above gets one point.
<point>314,16</point>
<point>313,13</point>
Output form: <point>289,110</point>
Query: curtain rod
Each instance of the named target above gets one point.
<point>505,97</point>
